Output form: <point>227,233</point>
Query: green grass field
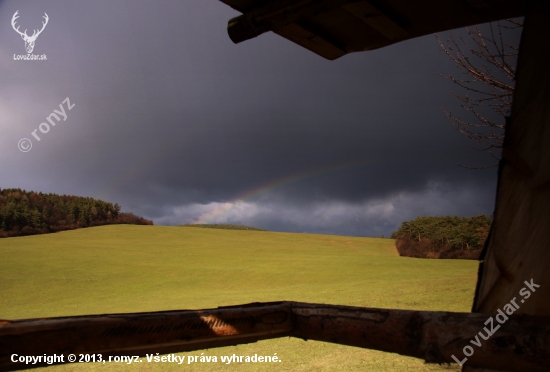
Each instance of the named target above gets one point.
<point>125,268</point>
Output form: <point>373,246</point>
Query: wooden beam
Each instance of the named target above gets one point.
<point>376,19</point>
<point>276,15</point>
<point>283,18</point>
<point>141,333</point>
<point>518,248</point>
<point>310,40</point>
<point>332,28</point>
<point>522,343</point>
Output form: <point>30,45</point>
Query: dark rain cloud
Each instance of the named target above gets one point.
<point>172,121</point>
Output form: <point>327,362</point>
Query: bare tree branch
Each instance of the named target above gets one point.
<point>489,65</point>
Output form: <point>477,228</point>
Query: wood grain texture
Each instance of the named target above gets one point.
<point>518,248</point>
<point>345,26</point>
<point>522,342</point>
<point>141,333</point>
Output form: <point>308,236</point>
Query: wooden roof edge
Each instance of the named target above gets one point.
<point>288,18</point>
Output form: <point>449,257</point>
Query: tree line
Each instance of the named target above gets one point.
<point>443,237</point>
<point>28,213</point>
<point>223,226</point>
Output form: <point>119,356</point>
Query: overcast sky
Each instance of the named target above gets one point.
<point>177,124</point>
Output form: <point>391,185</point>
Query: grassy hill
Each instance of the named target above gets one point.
<point>125,268</point>
<point>223,226</point>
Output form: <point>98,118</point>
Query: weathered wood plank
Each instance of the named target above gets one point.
<point>521,343</point>
<point>383,22</point>
<point>518,248</point>
<point>141,333</point>
<point>276,15</point>
<point>310,40</point>
<point>376,19</point>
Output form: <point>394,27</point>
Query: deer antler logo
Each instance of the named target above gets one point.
<point>29,40</point>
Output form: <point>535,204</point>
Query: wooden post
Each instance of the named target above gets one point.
<point>518,248</point>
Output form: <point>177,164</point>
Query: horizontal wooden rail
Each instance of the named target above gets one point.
<point>521,343</point>
<point>518,343</point>
<point>276,15</point>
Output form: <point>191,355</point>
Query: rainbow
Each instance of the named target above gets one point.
<point>276,185</point>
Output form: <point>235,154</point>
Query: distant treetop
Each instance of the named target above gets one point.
<point>28,212</point>
<point>443,237</point>
<point>223,226</point>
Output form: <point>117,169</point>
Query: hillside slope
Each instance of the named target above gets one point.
<point>126,268</point>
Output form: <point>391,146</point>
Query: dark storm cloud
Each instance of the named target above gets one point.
<point>174,121</point>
